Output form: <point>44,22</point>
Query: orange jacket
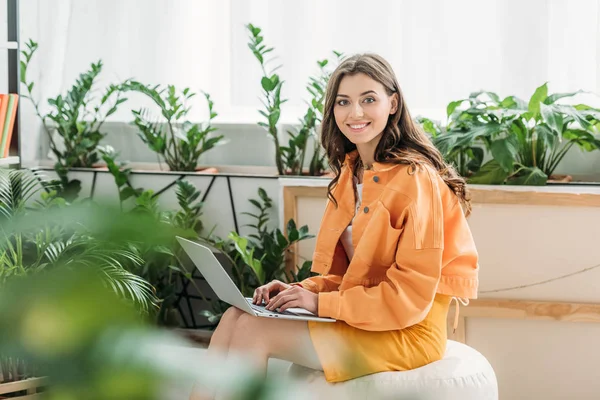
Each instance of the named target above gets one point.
<point>411,241</point>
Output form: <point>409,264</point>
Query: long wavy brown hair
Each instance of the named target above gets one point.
<point>402,142</point>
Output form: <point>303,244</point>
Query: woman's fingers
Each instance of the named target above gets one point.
<point>290,304</point>
<point>282,298</point>
<point>259,295</point>
<point>263,293</point>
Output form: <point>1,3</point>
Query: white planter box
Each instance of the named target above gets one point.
<point>225,194</point>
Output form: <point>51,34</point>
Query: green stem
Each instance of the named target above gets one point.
<point>556,159</point>
<point>176,150</point>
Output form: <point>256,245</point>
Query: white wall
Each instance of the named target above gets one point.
<point>441,50</point>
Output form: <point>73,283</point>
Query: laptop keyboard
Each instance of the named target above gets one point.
<point>263,310</point>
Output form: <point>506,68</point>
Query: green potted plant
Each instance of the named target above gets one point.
<point>86,340</point>
<point>290,159</point>
<point>295,153</point>
<point>32,243</point>
<point>524,141</point>
<point>178,141</point>
<point>74,121</point>
<point>261,256</point>
<point>162,265</point>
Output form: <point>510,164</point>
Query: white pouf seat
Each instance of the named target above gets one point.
<point>463,374</point>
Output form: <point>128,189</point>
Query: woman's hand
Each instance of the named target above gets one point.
<point>264,292</point>
<point>295,296</point>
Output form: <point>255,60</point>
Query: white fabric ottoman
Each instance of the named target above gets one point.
<point>463,374</point>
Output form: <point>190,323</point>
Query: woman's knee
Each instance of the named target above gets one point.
<point>246,330</point>
<point>231,314</point>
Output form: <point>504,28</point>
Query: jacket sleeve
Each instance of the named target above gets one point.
<point>322,283</point>
<point>333,280</point>
<point>407,292</point>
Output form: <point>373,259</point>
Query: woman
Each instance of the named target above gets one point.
<point>393,248</point>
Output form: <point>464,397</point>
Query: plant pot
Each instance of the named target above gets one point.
<point>207,170</point>
<point>560,179</point>
<point>327,174</point>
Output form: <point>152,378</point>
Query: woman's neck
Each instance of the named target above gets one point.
<point>366,153</point>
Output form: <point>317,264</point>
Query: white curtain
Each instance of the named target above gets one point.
<point>47,23</point>
<point>441,50</point>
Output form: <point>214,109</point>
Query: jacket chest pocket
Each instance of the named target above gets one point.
<point>378,242</point>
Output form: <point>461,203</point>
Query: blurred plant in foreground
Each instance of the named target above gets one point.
<point>92,343</point>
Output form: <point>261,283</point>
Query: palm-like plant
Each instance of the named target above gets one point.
<point>50,244</point>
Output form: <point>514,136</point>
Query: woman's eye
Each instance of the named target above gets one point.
<point>342,102</point>
<point>369,100</point>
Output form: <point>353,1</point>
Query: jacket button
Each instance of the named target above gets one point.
<point>376,179</point>
<point>366,210</point>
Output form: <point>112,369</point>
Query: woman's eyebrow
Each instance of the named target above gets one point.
<point>362,94</point>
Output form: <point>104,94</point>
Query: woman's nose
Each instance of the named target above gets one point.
<point>357,111</point>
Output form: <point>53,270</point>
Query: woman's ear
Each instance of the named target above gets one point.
<point>394,101</point>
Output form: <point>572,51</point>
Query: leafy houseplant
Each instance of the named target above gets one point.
<point>92,352</point>
<point>88,342</point>
<point>295,153</point>
<point>526,141</point>
<point>75,118</point>
<point>290,159</point>
<point>162,264</point>
<point>31,245</point>
<point>261,257</point>
<point>271,85</point>
<point>178,141</point>
<point>53,243</point>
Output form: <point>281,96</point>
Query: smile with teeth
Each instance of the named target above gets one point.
<point>358,127</point>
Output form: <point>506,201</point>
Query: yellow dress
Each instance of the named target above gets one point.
<point>346,352</point>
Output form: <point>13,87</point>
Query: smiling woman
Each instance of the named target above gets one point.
<point>391,252</point>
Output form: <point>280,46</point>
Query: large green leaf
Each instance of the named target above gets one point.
<point>545,137</point>
<point>513,102</point>
<point>504,152</point>
<point>577,114</point>
<point>491,173</point>
<point>519,129</point>
<point>584,139</point>
<point>452,106</point>
<point>556,96</point>
<point>552,117</point>
<point>529,176</point>
<point>486,130</point>
<point>267,84</point>
<point>247,254</point>
<point>491,95</point>
<point>540,94</point>
<point>429,127</point>
<point>274,117</point>
<point>445,142</point>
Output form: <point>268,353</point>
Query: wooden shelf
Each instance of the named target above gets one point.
<point>9,45</point>
<point>9,161</point>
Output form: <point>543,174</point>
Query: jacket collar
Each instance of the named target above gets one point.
<point>377,166</point>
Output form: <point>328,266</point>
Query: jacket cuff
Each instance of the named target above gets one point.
<point>308,285</point>
<point>329,304</point>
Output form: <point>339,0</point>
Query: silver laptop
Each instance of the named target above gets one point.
<point>221,283</point>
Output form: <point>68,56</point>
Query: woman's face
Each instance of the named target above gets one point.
<point>362,108</point>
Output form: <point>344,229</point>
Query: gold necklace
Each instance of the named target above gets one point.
<point>363,166</point>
